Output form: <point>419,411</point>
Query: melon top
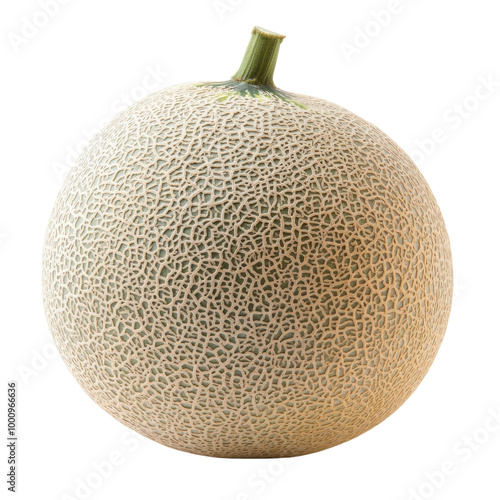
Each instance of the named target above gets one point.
<point>238,271</point>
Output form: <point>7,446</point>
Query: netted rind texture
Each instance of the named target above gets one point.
<point>246,277</point>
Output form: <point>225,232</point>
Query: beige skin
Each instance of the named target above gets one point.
<point>246,277</point>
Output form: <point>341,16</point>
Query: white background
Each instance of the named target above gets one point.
<point>82,64</point>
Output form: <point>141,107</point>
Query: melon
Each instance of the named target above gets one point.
<point>235,270</point>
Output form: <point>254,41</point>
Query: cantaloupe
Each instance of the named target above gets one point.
<point>238,271</point>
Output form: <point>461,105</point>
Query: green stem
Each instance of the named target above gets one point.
<point>260,58</point>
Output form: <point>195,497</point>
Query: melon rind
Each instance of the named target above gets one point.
<point>246,277</point>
